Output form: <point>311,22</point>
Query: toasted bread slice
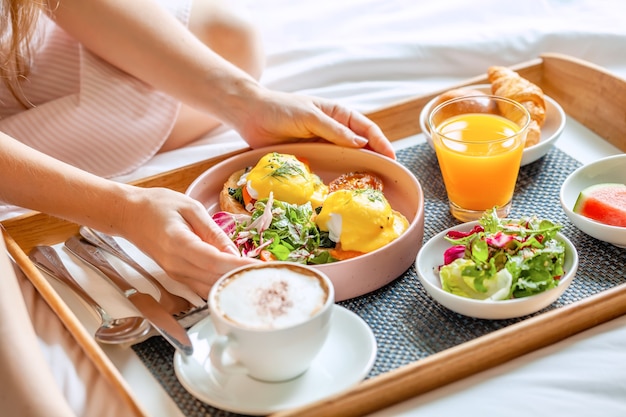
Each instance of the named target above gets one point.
<point>227,202</point>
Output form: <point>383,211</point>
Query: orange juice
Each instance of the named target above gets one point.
<point>479,155</point>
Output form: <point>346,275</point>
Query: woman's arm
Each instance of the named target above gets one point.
<point>144,40</point>
<point>36,181</point>
<point>172,228</point>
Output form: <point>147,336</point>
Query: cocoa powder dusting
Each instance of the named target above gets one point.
<point>274,301</point>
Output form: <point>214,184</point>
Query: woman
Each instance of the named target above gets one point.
<point>105,84</point>
<point>94,88</point>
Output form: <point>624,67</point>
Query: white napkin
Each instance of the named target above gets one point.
<point>105,293</point>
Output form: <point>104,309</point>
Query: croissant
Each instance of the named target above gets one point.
<point>508,83</point>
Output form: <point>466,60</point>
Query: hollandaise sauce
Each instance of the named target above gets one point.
<point>288,178</point>
<point>361,220</point>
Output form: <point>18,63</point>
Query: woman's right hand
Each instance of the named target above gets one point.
<point>177,232</point>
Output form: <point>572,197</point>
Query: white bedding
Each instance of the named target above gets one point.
<point>370,53</point>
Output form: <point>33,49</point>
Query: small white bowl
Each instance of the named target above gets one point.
<point>431,257</point>
<point>550,131</point>
<point>611,169</point>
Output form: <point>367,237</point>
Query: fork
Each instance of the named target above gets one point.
<point>174,304</point>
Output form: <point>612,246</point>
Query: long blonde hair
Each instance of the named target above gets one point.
<point>17,23</point>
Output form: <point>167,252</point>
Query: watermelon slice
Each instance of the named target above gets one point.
<point>605,203</point>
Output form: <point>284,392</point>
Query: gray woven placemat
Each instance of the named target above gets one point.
<point>407,323</point>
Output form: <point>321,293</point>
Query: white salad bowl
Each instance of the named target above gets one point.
<point>365,273</point>
<point>550,131</point>
<point>611,169</point>
<point>430,257</point>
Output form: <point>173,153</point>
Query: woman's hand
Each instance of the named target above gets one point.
<point>173,229</point>
<point>178,233</point>
<point>276,117</point>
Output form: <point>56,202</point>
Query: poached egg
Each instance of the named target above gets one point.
<point>360,220</point>
<point>289,178</point>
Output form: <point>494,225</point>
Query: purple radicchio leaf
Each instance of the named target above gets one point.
<point>499,240</point>
<point>453,253</point>
<point>228,221</point>
<point>457,234</point>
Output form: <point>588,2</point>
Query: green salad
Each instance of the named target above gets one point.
<point>276,230</point>
<point>501,259</point>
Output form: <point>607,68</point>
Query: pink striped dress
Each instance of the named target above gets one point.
<point>87,112</point>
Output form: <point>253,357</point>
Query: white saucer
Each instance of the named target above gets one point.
<point>345,359</point>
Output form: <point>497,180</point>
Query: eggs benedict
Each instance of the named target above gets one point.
<point>280,197</point>
<point>287,177</point>
<point>360,220</point>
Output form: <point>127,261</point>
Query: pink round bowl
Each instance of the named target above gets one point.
<point>363,274</point>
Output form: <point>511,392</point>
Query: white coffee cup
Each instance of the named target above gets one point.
<point>271,319</point>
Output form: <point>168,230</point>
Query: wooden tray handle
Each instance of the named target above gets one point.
<point>587,92</point>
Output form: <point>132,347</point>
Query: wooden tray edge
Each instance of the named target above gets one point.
<point>480,354</point>
<point>569,81</point>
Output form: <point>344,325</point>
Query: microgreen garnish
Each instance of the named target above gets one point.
<point>284,168</point>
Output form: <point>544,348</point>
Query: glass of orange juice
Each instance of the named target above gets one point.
<point>479,142</point>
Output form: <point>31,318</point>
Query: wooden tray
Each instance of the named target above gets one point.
<point>587,93</point>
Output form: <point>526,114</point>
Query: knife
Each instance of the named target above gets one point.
<point>160,319</point>
<point>174,304</point>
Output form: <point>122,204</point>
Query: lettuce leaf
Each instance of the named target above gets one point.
<point>466,279</point>
<point>523,253</point>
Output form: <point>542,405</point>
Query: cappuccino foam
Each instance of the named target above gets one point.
<point>271,297</point>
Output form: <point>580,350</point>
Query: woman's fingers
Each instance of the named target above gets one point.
<point>348,127</point>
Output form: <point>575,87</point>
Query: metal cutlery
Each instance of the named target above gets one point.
<point>154,312</point>
<point>173,303</point>
<point>111,330</point>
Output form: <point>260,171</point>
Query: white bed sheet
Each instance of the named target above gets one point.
<point>371,53</point>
